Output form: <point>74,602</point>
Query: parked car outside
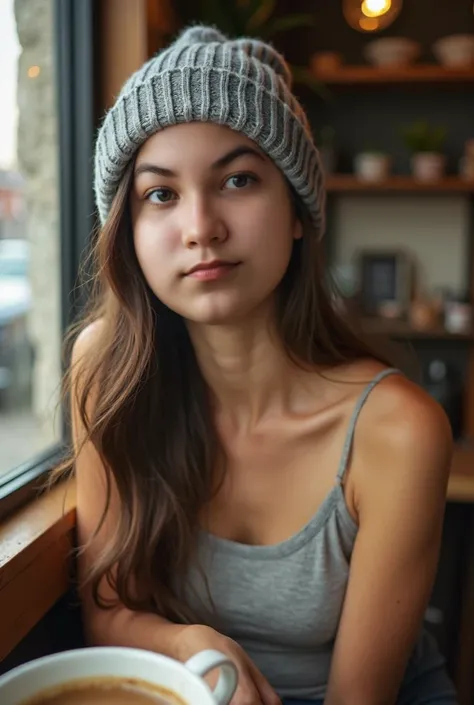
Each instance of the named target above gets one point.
<point>15,304</point>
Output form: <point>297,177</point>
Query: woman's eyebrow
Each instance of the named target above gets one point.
<point>218,164</point>
<point>146,168</point>
<point>234,154</point>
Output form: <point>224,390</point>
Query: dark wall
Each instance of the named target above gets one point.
<point>59,630</point>
<point>444,612</point>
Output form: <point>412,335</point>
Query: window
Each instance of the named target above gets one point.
<point>46,131</point>
<point>30,317</point>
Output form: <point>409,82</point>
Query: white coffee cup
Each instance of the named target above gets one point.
<point>184,679</point>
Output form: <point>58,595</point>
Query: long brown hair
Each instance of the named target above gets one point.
<point>152,422</point>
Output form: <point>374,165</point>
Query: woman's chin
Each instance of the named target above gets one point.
<point>213,315</point>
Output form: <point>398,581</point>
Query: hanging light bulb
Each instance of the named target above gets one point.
<point>371,16</point>
<point>375,8</point>
<point>369,24</point>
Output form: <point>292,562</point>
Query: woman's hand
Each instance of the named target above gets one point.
<point>252,689</point>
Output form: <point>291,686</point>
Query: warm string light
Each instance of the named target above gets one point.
<point>371,15</point>
<point>375,8</point>
<point>34,71</point>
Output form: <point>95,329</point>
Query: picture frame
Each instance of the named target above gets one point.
<point>386,282</point>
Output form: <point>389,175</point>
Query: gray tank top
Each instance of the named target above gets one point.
<point>282,603</point>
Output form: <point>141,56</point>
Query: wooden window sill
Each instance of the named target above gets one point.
<point>35,557</point>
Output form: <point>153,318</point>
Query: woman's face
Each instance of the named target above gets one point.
<point>213,223</point>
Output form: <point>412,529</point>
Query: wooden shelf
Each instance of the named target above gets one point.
<point>461,481</point>
<point>349,183</point>
<point>417,73</point>
<point>403,330</point>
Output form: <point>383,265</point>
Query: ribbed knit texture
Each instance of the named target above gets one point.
<point>203,76</point>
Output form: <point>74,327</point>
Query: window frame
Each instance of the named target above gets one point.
<point>74,50</point>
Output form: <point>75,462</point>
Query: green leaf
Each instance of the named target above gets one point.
<point>243,11</point>
<point>422,137</point>
<point>214,12</point>
<point>288,22</point>
<point>262,14</point>
<point>248,6</point>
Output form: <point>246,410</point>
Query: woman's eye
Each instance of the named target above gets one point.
<point>160,196</point>
<point>240,181</point>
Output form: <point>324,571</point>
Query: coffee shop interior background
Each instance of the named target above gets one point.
<point>389,89</point>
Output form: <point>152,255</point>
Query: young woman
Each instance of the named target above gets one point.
<point>251,477</point>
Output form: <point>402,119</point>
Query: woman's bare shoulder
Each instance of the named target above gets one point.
<point>403,435</point>
<point>87,341</point>
<point>400,409</point>
<point>83,365</point>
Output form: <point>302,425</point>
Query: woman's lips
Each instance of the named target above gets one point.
<point>212,271</point>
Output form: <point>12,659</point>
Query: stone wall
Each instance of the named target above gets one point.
<point>38,163</point>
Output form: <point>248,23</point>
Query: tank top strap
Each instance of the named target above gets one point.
<point>355,415</point>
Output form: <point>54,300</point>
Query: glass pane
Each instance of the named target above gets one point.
<point>29,234</point>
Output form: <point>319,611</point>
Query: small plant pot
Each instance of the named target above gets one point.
<point>370,166</point>
<point>455,51</point>
<point>428,166</point>
<point>466,168</point>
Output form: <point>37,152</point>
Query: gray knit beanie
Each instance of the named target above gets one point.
<point>203,76</point>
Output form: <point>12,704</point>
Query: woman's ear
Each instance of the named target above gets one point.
<point>297,229</point>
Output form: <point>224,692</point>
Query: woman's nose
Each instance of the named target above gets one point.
<point>202,225</point>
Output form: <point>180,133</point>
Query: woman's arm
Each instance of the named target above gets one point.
<point>400,468</point>
<point>119,626</point>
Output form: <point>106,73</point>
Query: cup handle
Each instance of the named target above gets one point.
<point>200,664</point>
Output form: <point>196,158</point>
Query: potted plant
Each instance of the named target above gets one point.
<point>425,143</point>
<point>249,18</point>
<point>372,164</point>
<point>256,18</point>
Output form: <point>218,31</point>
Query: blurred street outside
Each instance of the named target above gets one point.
<point>20,438</point>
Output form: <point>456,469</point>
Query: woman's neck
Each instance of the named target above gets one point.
<point>247,369</point>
